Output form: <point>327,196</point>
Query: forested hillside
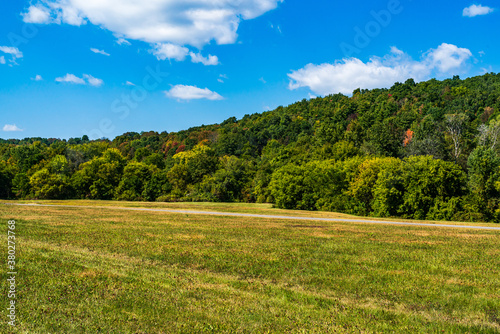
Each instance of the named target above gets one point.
<point>426,151</point>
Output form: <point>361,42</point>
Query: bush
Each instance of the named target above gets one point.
<point>451,209</point>
<point>427,180</point>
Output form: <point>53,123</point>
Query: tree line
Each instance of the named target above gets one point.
<point>423,151</point>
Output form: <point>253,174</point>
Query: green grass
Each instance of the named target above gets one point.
<point>93,270</point>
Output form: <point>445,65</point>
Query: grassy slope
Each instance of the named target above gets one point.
<point>94,270</point>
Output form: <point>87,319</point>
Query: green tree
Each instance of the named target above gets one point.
<point>155,159</point>
<point>230,183</point>
<point>21,185</point>
<point>483,166</point>
<point>27,156</point>
<point>59,165</point>
<point>142,153</point>
<point>300,186</point>
<point>157,186</point>
<point>6,176</point>
<point>135,177</point>
<point>388,190</point>
<point>363,184</point>
<point>191,166</point>
<point>98,178</point>
<point>47,185</point>
<point>427,180</point>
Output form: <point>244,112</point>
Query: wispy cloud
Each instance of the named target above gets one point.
<point>183,92</point>
<point>11,128</point>
<point>37,77</point>
<point>122,41</point>
<point>128,83</point>
<point>94,50</point>
<point>13,52</point>
<point>93,81</point>
<point>476,10</point>
<point>221,78</point>
<point>170,51</point>
<point>71,78</point>
<point>277,27</point>
<point>86,79</point>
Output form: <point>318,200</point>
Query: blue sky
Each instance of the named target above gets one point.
<point>105,67</point>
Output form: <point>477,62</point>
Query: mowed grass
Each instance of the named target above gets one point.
<point>251,208</point>
<point>96,270</point>
<point>246,208</point>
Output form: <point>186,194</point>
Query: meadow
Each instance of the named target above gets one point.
<point>97,270</point>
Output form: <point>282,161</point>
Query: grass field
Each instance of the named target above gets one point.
<point>95,270</point>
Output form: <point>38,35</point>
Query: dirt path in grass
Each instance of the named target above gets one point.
<point>233,214</point>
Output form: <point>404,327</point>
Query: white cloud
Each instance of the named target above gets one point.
<point>183,92</point>
<point>11,128</point>
<point>396,51</point>
<point>261,79</point>
<point>71,78</point>
<point>37,77</point>
<point>221,78</point>
<point>37,14</point>
<point>350,73</point>
<point>180,22</point>
<point>87,79</point>
<point>278,28</point>
<point>122,41</point>
<point>94,50</point>
<point>169,51</point>
<point>475,10</point>
<point>93,81</point>
<point>55,11</point>
<point>128,83</point>
<point>447,57</point>
<point>485,70</point>
<point>69,14</point>
<point>198,58</point>
<point>13,52</point>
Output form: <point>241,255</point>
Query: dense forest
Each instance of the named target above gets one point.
<point>425,151</point>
